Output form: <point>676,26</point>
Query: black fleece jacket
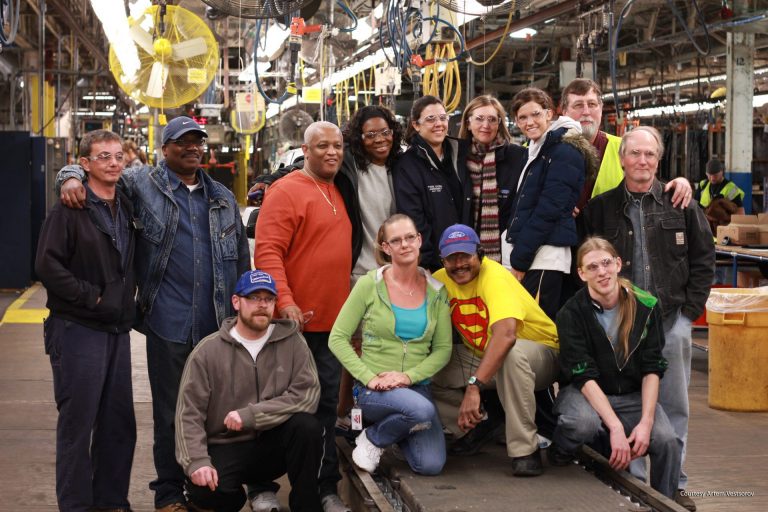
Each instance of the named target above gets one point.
<point>586,353</point>
<point>78,262</point>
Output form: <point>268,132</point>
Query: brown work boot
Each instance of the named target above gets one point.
<point>682,498</point>
<point>173,507</point>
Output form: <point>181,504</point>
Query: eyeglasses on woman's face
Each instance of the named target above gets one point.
<point>491,120</point>
<point>434,118</point>
<point>385,133</point>
<point>409,239</point>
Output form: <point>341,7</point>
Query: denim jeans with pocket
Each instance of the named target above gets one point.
<point>409,418</point>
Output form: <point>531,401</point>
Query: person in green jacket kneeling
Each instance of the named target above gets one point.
<point>406,339</point>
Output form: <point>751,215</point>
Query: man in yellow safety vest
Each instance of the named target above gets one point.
<point>716,185</point>
<point>582,101</point>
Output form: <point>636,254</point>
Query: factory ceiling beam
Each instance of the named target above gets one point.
<point>76,27</point>
<point>54,30</point>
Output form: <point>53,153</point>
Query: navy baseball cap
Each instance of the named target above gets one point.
<point>179,126</point>
<point>255,280</point>
<point>458,238</point>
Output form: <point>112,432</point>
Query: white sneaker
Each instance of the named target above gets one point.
<point>265,502</point>
<point>332,503</point>
<point>366,455</point>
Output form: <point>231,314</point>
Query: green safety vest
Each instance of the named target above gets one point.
<point>730,191</point>
<point>610,174</point>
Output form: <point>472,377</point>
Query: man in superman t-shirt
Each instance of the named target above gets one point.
<point>509,344</point>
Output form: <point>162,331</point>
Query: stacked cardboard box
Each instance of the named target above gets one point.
<point>744,230</point>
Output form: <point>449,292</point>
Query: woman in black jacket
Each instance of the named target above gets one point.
<point>430,178</point>
<point>611,337</point>
<point>493,166</point>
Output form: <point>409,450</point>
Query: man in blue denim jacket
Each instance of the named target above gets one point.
<point>190,250</point>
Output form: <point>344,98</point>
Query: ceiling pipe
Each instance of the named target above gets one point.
<point>535,18</point>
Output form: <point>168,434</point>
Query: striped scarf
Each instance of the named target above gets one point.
<point>481,164</point>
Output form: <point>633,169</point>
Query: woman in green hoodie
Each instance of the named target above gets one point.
<point>406,329</point>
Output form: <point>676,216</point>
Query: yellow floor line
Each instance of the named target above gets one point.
<point>15,315</point>
<point>25,316</point>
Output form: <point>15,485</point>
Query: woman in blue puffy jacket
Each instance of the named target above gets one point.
<point>542,228</point>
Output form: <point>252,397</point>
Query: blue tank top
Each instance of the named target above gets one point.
<point>410,323</point>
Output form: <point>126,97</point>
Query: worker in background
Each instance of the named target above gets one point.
<point>666,251</point>
<point>719,196</point>
<point>304,240</point>
<point>85,261</point>
<point>190,250</point>
<point>133,155</point>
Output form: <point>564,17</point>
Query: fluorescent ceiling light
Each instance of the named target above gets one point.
<point>523,33</point>
<point>247,75</point>
<point>98,97</point>
<point>760,100</point>
<point>363,32</point>
<point>94,114</point>
<point>111,13</point>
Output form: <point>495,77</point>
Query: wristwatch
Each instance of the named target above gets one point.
<point>474,381</point>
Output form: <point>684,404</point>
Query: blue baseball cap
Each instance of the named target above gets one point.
<point>179,126</point>
<point>255,280</point>
<point>458,238</point>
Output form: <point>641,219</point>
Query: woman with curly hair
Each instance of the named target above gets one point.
<point>373,144</point>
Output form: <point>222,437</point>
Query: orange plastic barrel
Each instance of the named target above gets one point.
<point>738,349</point>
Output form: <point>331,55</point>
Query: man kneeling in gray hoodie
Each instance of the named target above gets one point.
<point>244,413</point>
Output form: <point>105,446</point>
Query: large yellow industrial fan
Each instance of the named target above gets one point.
<point>178,54</point>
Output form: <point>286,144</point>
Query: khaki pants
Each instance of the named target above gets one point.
<point>528,367</point>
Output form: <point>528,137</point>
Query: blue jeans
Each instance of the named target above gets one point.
<point>408,417</point>
<point>96,429</point>
<point>673,390</point>
<point>578,423</point>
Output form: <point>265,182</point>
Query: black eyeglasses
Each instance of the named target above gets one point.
<point>261,299</point>
<point>199,143</point>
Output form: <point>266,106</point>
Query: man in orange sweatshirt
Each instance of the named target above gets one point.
<point>304,239</point>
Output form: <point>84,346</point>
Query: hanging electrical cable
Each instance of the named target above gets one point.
<point>348,12</point>
<point>502,39</point>
<point>10,17</point>
<point>257,80</point>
